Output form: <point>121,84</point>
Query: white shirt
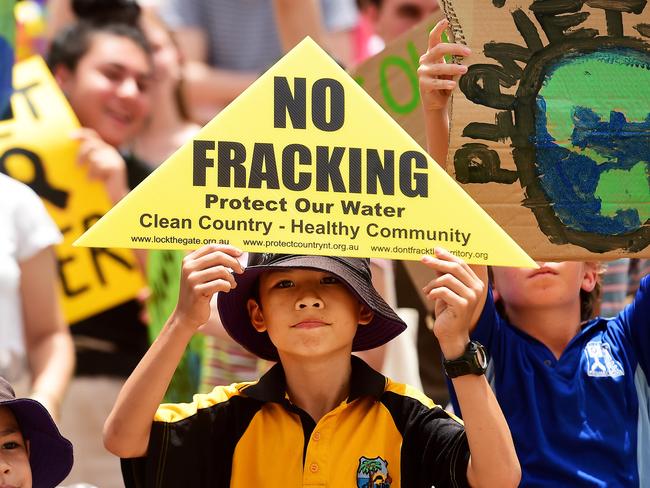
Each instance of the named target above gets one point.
<point>25,229</point>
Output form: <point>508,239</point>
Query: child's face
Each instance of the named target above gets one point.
<point>15,471</point>
<point>307,313</point>
<point>108,90</point>
<point>552,285</point>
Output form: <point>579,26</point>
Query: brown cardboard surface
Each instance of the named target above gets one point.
<point>543,42</point>
<point>390,77</point>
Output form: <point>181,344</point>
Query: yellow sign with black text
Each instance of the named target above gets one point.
<point>36,148</point>
<point>304,161</point>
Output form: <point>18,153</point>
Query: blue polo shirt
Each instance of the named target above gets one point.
<point>581,420</point>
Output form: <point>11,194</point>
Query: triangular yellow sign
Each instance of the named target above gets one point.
<point>304,161</point>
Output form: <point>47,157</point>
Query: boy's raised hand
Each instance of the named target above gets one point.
<point>458,292</point>
<point>435,75</point>
<point>204,272</point>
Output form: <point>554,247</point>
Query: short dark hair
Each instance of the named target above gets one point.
<point>73,42</point>
<point>588,299</point>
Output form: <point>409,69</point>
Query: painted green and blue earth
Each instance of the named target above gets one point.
<point>592,140</point>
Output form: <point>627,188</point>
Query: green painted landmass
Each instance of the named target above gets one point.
<point>602,81</point>
<point>623,189</point>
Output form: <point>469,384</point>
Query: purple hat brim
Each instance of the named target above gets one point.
<point>50,454</point>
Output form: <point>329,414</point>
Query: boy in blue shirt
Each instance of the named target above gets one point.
<point>574,391</point>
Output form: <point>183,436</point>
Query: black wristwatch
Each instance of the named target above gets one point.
<point>473,361</point>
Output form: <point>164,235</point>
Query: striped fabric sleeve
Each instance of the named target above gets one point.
<point>183,13</point>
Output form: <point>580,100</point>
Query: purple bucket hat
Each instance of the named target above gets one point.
<point>50,454</point>
<point>353,272</point>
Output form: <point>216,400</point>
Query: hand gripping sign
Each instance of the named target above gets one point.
<point>551,129</point>
<point>304,161</point>
<point>36,148</point>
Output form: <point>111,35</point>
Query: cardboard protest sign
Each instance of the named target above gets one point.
<point>7,43</point>
<point>304,161</point>
<point>551,124</point>
<point>391,77</point>
<point>36,148</point>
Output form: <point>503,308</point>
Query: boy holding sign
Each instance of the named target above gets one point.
<point>329,417</point>
<point>326,414</point>
<point>574,389</point>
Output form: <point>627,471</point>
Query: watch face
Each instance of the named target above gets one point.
<point>481,356</point>
<point>473,361</point>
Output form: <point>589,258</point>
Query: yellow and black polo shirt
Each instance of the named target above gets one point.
<point>247,435</point>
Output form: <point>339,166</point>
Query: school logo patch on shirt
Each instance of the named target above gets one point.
<point>600,362</point>
<point>373,473</point>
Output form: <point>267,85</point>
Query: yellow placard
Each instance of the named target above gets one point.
<point>304,161</point>
<point>36,148</point>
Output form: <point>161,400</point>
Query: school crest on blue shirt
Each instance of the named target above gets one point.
<point>373,473</point>
<point>600,362</point>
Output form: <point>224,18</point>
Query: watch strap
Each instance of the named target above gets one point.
<point>473,361</point>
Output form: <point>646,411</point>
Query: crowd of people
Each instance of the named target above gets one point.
<point>546,369</point>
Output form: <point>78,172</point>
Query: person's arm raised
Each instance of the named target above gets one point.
<point>459,293</point>
<point>436,79</point>
<point>204,272</point>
